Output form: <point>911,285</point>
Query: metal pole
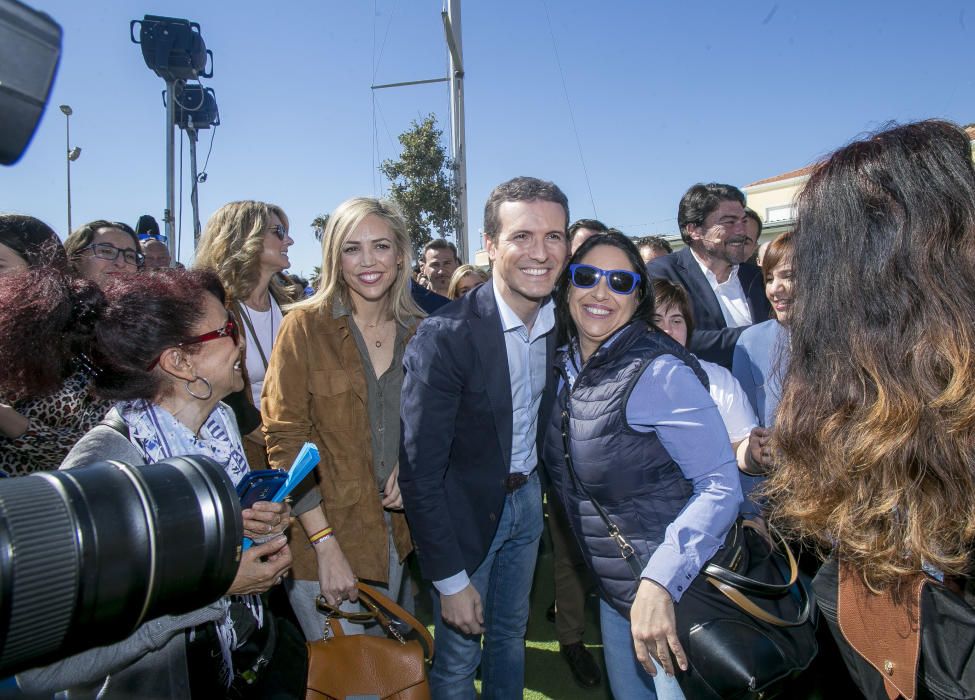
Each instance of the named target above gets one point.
<point>67,158</point>
<point>458,150</point>
<point>194,199</point>
<point>170,167</point>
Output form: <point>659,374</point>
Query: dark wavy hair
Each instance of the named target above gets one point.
<point>146,314</point>
<point>46,322</point>
<point>615,239</point>
<point>120,329</point>
<point>33,240</point>
<point>878,411</point>
<point>700,201</point>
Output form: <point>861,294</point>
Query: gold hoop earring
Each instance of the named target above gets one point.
<point>190,383</point>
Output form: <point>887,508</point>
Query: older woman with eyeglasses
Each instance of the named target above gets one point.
<point>166,350</point>
<point>246,244</point>
<point>636,434</point>
<point>101,249</point>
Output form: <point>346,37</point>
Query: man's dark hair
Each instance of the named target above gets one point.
<point>753,215</point>
<point>439,244</point>
<point>700,201</point>
<point>520,189</point>
<point>656,243</point>
<point>147,224</point>
<point>591,224</point>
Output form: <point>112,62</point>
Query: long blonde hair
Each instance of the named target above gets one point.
<point>459,274</point>
<point>331,286</point>
<point>231,246</point>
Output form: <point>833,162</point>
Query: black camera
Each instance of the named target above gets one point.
<point>89,554</point>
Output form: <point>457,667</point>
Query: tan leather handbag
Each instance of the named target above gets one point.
<point>392,667</point>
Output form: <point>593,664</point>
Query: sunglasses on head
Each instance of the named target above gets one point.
<point>161,237</point>
<point>229,330</point>
<point>279,230</point>
<point>588,276</point>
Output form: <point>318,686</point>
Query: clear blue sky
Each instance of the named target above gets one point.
<point>663,94</point>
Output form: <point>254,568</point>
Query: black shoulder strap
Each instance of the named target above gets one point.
<point>114,421</point>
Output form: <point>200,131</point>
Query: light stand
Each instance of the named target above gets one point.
<point>72,154</point>
<point>195,109</point>
<point>175,51</point>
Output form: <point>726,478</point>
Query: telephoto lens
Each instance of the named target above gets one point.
<point>89,554</point>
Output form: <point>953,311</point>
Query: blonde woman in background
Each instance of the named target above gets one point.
<point>334,379</point>
<point>464,279</point>
<point>246,244</point>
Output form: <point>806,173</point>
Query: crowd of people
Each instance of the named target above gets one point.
<point>824,391</point>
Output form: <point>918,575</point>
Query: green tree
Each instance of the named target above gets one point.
<point>421,184</point>
<point>319,224</point>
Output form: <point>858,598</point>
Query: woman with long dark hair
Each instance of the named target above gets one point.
<point>873,440</point>
<point>635,431</point>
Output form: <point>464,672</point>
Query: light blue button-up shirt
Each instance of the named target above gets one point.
<point>528,370</point>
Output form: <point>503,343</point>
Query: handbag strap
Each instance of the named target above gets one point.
<point>253,334</point>
<point>743,602</point>
<point>626,549</point>
<point>393,619</point>
<point>754,586</point>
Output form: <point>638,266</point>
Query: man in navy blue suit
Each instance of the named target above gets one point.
<point>476,393</point>
<point>727,293</point>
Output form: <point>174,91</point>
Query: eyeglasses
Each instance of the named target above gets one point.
<point>161,237</point>
<point>279,230</point>
<point>229,330</point>
<point>106,251</point>
<point>588,276</point>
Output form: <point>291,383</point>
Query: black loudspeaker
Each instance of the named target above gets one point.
<point>30,47</point>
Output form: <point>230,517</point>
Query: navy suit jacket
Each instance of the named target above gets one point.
<point>455,450</point>
<point>712,340</point>
<point>425,299</point>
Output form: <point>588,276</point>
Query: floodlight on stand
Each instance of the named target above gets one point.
<point>173,48</point>
<point>196,107</point>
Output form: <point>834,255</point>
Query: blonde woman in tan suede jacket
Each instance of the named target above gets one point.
<point>334,379</point>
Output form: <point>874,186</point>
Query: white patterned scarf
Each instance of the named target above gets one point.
<point>158,435</point>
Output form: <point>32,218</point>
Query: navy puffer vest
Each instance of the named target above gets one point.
<point>629,473</point>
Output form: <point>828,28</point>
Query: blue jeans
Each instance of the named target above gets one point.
<point>503,580</point>
<point>627,677</point>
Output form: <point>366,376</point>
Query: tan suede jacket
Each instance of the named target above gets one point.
<point>315,391</point>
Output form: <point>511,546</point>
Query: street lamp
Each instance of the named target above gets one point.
<point>73,154</point>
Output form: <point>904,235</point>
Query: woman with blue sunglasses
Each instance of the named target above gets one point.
<point>637,445</point>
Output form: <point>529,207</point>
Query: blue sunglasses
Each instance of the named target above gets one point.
<point>588,276</point>
<point>161,237</point>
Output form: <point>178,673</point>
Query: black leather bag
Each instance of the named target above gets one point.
<point>747,622</point>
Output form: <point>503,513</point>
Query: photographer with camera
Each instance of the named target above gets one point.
<point>165,348</point>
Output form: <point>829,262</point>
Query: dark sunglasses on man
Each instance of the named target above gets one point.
<point>588,276</point>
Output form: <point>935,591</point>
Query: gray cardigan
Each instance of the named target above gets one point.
<point>149,664</point>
